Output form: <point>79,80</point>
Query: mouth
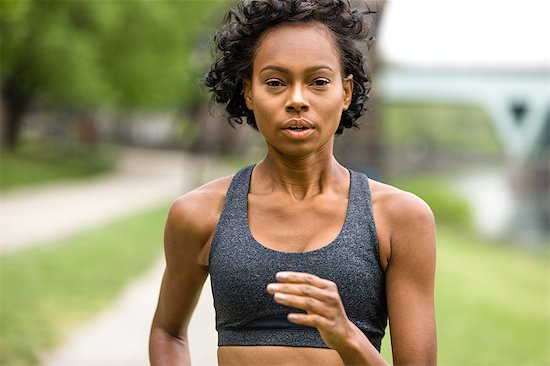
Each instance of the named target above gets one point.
<point>297,124</point>
<point>298,130</point>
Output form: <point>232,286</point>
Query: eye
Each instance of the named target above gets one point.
<point>320,82</point>
<point>274,83</point>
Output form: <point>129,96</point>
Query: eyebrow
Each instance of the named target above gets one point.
<point>286,71</point>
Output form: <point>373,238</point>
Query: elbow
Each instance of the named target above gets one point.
<point>166,348</point>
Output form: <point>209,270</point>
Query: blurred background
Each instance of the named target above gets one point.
<point>104,123</point>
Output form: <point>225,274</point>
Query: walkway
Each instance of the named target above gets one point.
<point>142,179</point>
<point>119,336</point>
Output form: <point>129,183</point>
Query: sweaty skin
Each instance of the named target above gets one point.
<point>297,202</point>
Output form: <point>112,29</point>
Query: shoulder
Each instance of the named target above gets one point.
<point>193,217</point>
<point>405,220</point>
<point>201,201</point>
<point>401,207</point>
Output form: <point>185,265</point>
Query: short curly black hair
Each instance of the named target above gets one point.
<point>243,28</point>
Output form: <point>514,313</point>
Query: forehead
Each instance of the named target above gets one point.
<point>298,45</point>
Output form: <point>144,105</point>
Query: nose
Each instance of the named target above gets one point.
<point>297,100</point>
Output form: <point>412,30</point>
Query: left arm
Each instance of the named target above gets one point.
<point>410,276</point>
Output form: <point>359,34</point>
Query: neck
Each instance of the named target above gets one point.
<point>303,176</point>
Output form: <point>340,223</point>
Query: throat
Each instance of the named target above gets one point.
<point>300,180</point>
<point>302,193</point>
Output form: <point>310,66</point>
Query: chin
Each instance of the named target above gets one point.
<point>303,150</point>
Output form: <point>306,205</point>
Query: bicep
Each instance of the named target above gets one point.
<point>410,289</point>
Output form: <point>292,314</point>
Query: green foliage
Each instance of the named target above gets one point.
<point>97,53</point>
<point>491,303</point>
<point>48,290</point>
<point>12,31</point>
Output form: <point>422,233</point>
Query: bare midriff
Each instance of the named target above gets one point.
<point>277,356</point>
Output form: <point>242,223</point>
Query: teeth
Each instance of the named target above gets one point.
<point>297,128</point>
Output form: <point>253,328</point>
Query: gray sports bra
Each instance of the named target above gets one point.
<point>241,268</point>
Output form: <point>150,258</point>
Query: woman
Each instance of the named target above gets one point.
<point>307,259</point>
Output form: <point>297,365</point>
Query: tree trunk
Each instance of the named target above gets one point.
<point>15,103</point>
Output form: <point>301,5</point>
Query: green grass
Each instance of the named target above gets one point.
<point>30,166</point>
<point>492,303</point>
<point>47,291</point>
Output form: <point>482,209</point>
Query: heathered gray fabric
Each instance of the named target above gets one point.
<point>241,268</point>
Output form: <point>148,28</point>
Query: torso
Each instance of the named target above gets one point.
<point>316,222</point>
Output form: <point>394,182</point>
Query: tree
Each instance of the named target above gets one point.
<point>88,54</point>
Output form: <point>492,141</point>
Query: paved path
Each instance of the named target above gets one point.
<point>142,179</point>
<point>34,216</point>
<point>119,336</point>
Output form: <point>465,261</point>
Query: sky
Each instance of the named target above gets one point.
<point>466,34</point>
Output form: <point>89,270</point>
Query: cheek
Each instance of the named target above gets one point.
<point>266,106</point>
<point>332,107</point>
<point>263,115</point>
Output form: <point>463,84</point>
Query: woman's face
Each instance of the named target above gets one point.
<point>297,92</point>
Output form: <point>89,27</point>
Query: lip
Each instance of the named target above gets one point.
<point>298,134</point>
<point>308,128</point>
<point>297,122</point>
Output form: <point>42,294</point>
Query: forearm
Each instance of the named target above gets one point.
<point>167,350</point>
<point>357,350</point>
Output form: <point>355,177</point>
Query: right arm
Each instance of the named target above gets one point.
<point>188,231</point>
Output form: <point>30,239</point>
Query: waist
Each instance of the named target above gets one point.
<point>277,356</point>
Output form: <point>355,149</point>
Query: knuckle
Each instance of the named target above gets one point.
<point>310,303</point>
<point>333,297</point>
<point>305,290</point>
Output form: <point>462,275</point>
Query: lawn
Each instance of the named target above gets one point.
<point>47,291</point>
<point>33,164</point>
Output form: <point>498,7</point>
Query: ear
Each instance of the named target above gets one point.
<point>247,93</point>
<point>348,90</point>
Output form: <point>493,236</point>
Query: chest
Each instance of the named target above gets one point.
<point>287,225</point>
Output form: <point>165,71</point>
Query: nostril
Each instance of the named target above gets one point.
<point>297,107</point>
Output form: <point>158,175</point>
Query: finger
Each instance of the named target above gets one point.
<point>310,320</point>
<point>308,304</point>
<point>304,290</point>
<point>302,277</point>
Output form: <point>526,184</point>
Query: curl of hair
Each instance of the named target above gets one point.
<point>243,28</point>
